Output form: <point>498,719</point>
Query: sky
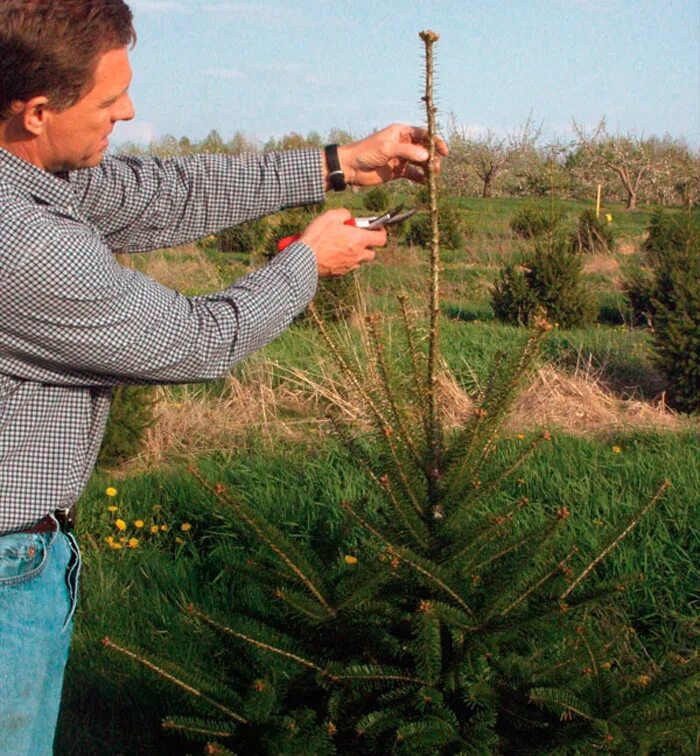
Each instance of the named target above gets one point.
<point>268,67</point>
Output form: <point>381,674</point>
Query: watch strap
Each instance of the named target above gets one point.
<point>335,172</point>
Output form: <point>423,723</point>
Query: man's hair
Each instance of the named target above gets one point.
<point>52,47</point>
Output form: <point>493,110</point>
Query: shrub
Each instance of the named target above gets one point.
<point>668,234</point>
<point>131,415</point>
<point>550,278</point>
<point>376,199</point>
<point>452,228</point>
<point>676,310</point>
<point>335,298</point>
<point>529,223</point>
<point>593,234</point>
<point>246,238</point>
<point>638,286</point>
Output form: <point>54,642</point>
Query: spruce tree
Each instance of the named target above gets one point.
<point>440,620</point>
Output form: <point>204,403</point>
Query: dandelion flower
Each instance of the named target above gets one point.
<point>616,450</point>
<point>115,545</point>
<point>109,540</point>
<point>112,508</point>
<point>164,528</point>
<point>350,559</point>
<point>179,541</point>
<point>138,524</point>
<point>154,528</point>
<point>520,436</point>
<point>185,527</point>
<point>111,491</point>
<point>133,543</point>
<point>120,524</point>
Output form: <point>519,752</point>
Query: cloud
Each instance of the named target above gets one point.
<point>141,132</point>
<point>224,73</point>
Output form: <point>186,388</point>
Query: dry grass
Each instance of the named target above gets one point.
<point>575,404</point>
<point>601,264</point>
<point>194,422</point>
<point>184,268</point>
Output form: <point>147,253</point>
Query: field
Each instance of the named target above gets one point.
<point>264,432</point>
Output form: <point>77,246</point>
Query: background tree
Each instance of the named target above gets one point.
<point>631,158</point>
<point>488,155</point>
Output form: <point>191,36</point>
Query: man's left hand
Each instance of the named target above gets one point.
<point>398,151</point>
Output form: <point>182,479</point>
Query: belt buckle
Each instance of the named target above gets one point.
<point>65,519</point>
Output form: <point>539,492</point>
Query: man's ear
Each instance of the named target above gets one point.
<point>33,113</point>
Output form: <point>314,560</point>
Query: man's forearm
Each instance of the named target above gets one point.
<point>144,203</point>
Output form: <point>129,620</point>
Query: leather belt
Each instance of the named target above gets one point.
<point>63,519</point>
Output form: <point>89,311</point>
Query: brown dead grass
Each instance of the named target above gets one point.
<point>575,404</point>
<point>185,268</point>
<point>602,264</point>
<point>193,422</point>
<point>252,406</point>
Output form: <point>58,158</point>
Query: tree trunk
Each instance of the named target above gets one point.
<point>631,200</point>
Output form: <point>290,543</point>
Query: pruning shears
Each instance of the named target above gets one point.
<point>389,218</point>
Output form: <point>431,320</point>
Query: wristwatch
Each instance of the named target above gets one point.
<point>335,172</point>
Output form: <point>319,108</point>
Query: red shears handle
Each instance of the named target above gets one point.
<point>287,240</point>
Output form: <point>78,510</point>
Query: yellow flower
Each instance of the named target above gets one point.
<point>120,524</point>
<point>643,680</point>
<point>111,491</point>
<point>179,540</point>
<point>112,508</point>
<point>154,528</point>
<point>616,450</point>
<point>109,540</point>
<point>185,527</point>
<point>520,436</point>
<point>164,528</point>
<point>350,559</point>
<point>133,543</point>
<point>138,524</point>
<point>608,217</point>
<point>116,545</point>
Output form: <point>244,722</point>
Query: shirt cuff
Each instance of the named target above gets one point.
<point>299,260</point>
<point>301,174</point>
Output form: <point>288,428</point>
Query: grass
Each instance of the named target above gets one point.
<point>135,595</point>
<point>299,478</point>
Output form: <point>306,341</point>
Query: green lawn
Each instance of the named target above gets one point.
<point>136,595</point>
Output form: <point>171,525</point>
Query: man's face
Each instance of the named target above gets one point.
<point>78,137</point>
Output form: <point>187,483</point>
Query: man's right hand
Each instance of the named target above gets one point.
<point>340,248</point>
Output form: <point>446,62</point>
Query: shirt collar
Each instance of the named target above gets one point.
<point>50,188</point>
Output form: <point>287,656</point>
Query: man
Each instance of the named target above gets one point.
<point>74,323</point>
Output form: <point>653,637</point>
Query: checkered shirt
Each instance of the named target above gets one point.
<point>74,322</point>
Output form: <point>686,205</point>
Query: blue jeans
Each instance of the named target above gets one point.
<point>38,592</point>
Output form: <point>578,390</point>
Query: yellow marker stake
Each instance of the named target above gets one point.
<point>597,203</point>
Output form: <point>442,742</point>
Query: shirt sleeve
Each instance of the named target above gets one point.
<point>138,204</point>
<point>72,315</point>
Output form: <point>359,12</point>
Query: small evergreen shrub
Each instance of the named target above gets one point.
<point>676,311</point>
<point>593,234</point>
<point>668,234</point>
<point>131,415</point>
<point>376,199</point>
<point>335,298</point>
<point>453,229</point>
<point>246,238</point>
<point>638,287</point>
<point>550,278</point>
<point>529,223</point>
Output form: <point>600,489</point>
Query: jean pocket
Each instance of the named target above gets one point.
<point>22,557</point>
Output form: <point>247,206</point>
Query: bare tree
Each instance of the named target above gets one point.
<point>630,157</point>
<point>488,155</point>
